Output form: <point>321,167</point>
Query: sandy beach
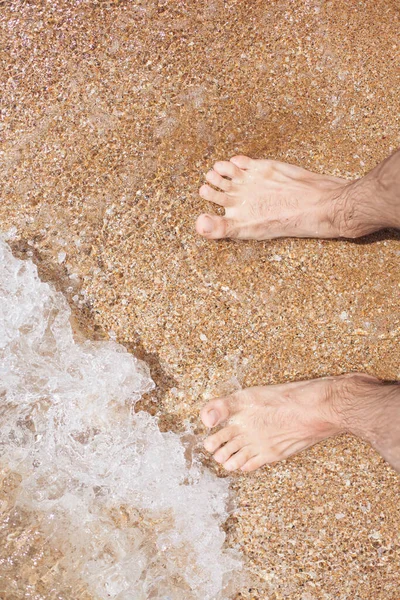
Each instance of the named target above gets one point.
<point>112,112</point>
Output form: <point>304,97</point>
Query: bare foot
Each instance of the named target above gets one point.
<point>266,424</point>
<point>265,199</point>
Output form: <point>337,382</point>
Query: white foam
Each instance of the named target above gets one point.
<point>67,427</point>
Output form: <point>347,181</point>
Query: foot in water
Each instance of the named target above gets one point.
<point>266,424</point>
<point>265,199</point>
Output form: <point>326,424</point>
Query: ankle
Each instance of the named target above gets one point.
<point>370,203</point>
<point>363,404</point>
<point>387,176</point>
<point>358,210</point>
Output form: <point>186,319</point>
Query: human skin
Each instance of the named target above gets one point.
<point>267,199</point>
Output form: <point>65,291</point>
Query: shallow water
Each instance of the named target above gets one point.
<point>112,112</point>
<point>124,511</point>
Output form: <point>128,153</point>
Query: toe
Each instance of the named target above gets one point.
<point>208,193</point>
<point>253,463</point>
<point>218,181</point>
<point>243,162</point>
<point>215,441</point>
<point>224,453</point>
<point>239,459</point>
<point>214,227</point>
<point>228,169</point>
<point>215,412</point>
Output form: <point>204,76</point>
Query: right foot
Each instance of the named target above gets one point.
<point>265,199</point>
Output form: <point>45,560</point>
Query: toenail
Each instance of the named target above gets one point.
<point>207,228</point>
<point>213,413</point>
<point>207,445</point>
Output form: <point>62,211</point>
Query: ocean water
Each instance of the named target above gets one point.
<point>127,512</point>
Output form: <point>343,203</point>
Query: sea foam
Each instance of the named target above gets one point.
<point>132,517</point>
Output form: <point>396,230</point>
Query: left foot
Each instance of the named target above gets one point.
<point>266,424</point>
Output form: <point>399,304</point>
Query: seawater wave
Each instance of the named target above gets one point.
<point>132,517</point>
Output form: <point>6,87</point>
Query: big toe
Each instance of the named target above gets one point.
<point>214,413</point>
<point>213,227</point>
<point>243,162</point>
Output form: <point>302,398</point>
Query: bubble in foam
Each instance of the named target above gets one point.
<point>118,497</point>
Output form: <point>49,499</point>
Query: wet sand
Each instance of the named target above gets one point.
<point>112,113</point>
